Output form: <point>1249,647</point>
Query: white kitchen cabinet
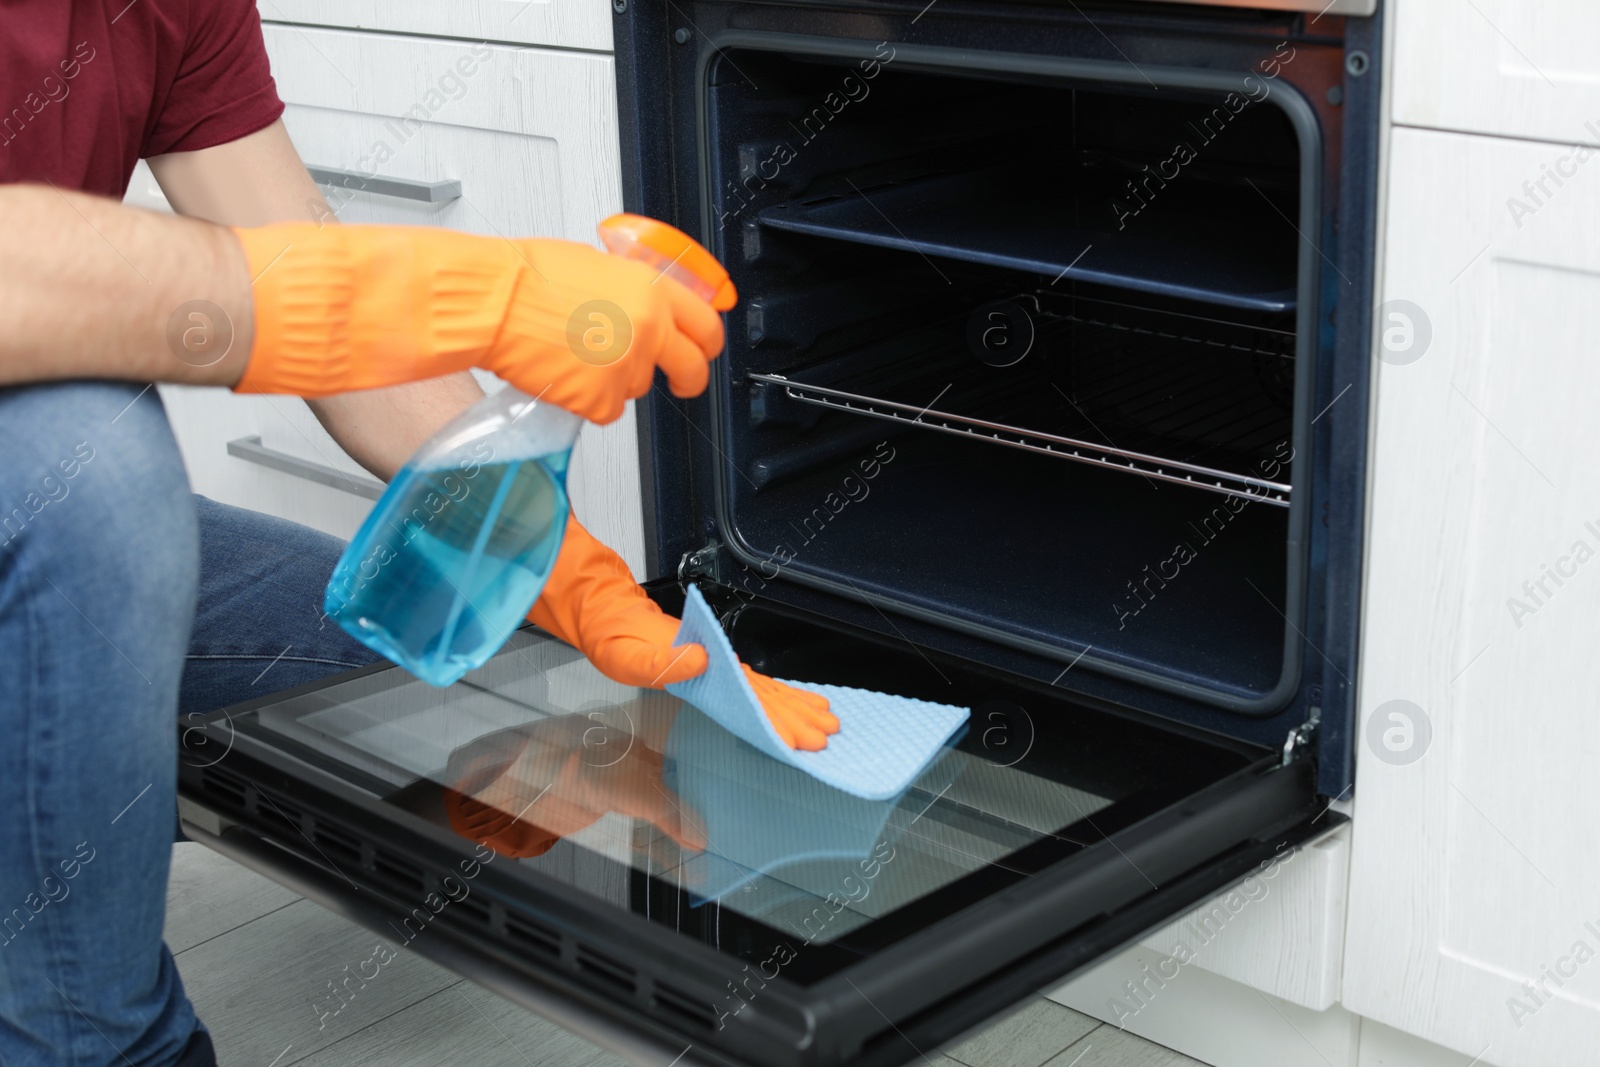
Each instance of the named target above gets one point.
<point>1475,870</point>
<point>1280,931</point>
<point>1506,67</point>
<point>1215,1020</point>
<point>205,422</point>
<point>530,135</point>
<point>1222,1023</point>
<point>582,24</point>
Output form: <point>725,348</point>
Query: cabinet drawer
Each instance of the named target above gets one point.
<point>562,23</point>
<point>1499,67</point>
<point>328,491</point>
<point>530,134</point>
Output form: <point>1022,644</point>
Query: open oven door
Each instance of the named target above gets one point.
<point>665,890</point>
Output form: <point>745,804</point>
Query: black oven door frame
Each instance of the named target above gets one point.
<point>650,987</point>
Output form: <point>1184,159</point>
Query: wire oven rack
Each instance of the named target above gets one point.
<point>1155,386</point>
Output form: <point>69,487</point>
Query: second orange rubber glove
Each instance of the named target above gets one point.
<point>592,602</point>
<point>340,308</point>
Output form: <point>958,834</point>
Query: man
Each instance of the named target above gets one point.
<point>123,599</point>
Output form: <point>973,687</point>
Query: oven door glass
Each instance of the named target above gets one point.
<point>624,841</point>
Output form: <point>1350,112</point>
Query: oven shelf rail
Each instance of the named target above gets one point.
<point>1072,449</point>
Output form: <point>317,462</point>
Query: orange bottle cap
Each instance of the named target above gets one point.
<point>674,253</point>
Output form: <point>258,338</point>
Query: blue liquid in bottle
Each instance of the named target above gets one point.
<point>453,556</point>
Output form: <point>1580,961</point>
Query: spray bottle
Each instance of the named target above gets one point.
<point>454,555</point>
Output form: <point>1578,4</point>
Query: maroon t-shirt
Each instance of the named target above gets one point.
<point>90,87</point>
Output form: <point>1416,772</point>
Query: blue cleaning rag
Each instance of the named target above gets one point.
<point>883,742</point>
<point>766,818</point>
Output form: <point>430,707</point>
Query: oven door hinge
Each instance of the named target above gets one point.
<point>1299,740</point>
<point>701,563</point>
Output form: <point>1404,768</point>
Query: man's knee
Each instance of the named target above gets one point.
<point>93,497</point>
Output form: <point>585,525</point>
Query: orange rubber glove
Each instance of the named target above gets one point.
<point>340,308</point>
<point>592,603</point>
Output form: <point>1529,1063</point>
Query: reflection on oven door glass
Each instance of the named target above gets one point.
<point>546,761</point>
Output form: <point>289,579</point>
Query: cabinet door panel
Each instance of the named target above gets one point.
<point>530,133</point>
<point>205,420</point>
<point>1504,67</point>
<point>1474,865</point>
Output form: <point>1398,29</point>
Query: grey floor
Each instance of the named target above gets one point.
<point>257,961</point>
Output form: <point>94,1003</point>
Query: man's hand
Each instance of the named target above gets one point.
<point>591,602</point>
<point>343,308</point>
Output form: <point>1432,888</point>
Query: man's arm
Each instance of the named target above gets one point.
<point>258,180</point>
<point>319,311</point>
<point>90,285</point>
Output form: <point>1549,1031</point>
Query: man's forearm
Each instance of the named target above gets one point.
<point>90,288</point>
<point>381,428</point>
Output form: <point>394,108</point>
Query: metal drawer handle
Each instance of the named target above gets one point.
<point>404,188</point>
<point>252,450</point>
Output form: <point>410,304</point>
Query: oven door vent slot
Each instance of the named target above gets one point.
<point>473,908</point>
<point>337,845</point>
<point>688,1013</point>
<point>533,935</point>
<point>405,879</point>
<point>279,814</point>
<point>610,973</point>
<point>225,786</point>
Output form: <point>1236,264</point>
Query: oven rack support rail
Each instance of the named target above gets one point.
<point>1177,472</point>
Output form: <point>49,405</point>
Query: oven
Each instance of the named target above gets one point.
<point>1046,396</point>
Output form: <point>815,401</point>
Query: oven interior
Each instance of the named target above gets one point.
<point>1018,355</point>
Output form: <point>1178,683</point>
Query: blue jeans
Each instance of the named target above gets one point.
<point>123,601</point>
